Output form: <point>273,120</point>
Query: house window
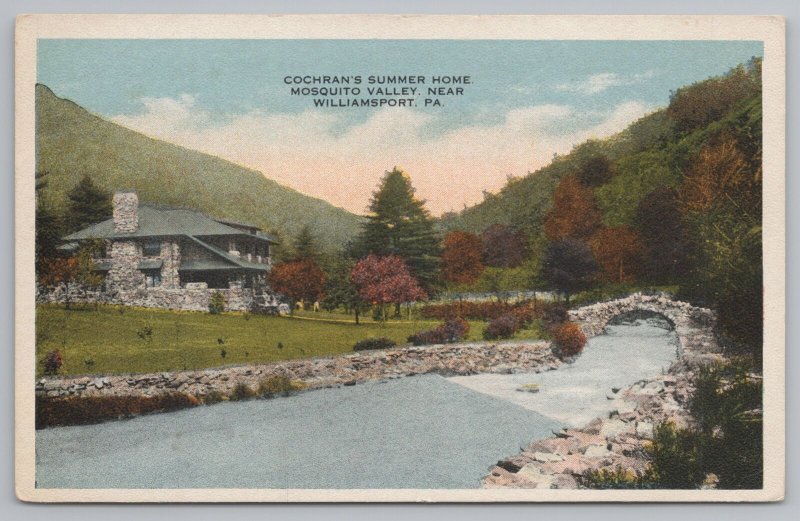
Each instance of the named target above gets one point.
<point>152,278</point>
<point>151,249</point>
<point>98,250</point>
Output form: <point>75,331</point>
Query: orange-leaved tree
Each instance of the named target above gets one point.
<point>620,253</point>
<point>461,258</point>
<point>574,213</point>
<point>719,170</point>
<point>300,280</point>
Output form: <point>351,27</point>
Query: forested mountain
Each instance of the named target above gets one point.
<point>71,143</point>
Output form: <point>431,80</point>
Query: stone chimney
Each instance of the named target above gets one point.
<point>126,212</point>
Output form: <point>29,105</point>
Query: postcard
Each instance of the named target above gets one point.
<point>399,258</point>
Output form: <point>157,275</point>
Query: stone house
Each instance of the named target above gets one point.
<point>176,258</point>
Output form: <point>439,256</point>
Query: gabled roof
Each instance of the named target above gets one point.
<point>161,222</point>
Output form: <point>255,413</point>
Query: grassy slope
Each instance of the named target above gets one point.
<point>186,340</point>
<point>72,142</point>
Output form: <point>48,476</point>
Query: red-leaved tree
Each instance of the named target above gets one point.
<point>385,280</point>
<point>504,247</point>
<point>300,280</point>
<point>461,258</point>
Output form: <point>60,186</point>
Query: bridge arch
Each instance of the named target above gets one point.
<point>693,325</point>
<point>641,314</point>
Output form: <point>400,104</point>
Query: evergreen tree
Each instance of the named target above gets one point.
<point>48,227</point>
<point>340,290</point>
<point>400,225</point>
<point>88,204</point>
<point>305,246</point>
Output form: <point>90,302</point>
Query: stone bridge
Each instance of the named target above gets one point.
<point>693,325</point>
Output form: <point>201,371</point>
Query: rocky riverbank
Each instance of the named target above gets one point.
<point>445,360</point>
<point>618,441</point>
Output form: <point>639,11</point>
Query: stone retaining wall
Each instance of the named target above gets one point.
<point>448,360</point>
<point>618,440</point>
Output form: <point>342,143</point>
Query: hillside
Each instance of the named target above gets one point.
<point>524,201</point>
<point>651,152</point>
<point>673,200</point>
<point>72,142</point>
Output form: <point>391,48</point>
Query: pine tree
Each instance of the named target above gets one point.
<point>305,246</point>
<point>399,224</point>
<point>48,227</point>
<point>88,204</point>
<point>340,290</point>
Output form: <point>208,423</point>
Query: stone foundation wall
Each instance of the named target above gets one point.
<point>193,297</point>
<point>447,360</point>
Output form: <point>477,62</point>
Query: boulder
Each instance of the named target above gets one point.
<point>597,451</point>
<point>644,430</point>
<point>546,457</point>
<point>613,428</point>
<point>623,406</point>
<point>534,475</point>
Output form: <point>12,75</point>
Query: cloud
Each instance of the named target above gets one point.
<point>311,152</point>
<point>597,83</point>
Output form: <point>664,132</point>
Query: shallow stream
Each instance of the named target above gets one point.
<point>417,432</point>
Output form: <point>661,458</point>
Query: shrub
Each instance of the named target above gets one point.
<point>553,315</point>
<point>374,343</point>
<point>569,339</point>
<point>524,313</point>
<point>727,404</point>
<point>52,362</point>
<point>455,329</point>
<point>452,330</point>
<point>278,385</point>
<point>242,391</point>
<point>216,304</point>
<point>676,461</point>
<point>213,396</point>
<point>618,478</point>
<point>501,327</point>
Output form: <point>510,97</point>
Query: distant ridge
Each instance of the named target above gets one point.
<point>71,142</point>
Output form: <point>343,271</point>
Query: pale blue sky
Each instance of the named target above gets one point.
<point>547,95</point>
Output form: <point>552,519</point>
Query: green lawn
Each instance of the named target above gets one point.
<point>116,338</point>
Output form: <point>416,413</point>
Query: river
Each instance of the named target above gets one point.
<point>417,432</point>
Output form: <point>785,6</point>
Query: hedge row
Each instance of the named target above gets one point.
<point>525,311</point>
